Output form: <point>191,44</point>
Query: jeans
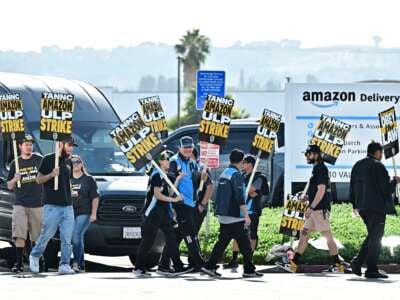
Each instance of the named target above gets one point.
<point>56,217</point>
<point>186,231</point>
<point>159,218</point>
<point>82,223</point>
<point>227,232</point>
<point>371,246</point>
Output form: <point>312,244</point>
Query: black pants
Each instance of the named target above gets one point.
<point>227,232</point>
<point>158,218</point>
<point>371,246</point>
<point>186,231</point>
<point>198,219</point>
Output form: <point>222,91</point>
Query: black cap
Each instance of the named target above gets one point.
<point>27,138</point>
<point>250,159</point>
<point>186,142</point>
<point>69,140</point>
<point>312,149</point>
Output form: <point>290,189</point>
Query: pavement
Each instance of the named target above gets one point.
<point>111,278</point>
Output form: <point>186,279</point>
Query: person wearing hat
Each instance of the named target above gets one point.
<point>158,216</point>
<point>318,212</point>
<point>371,193</point>
<point>185,210</point>
<point>58,212</point>
<point>27,209</point>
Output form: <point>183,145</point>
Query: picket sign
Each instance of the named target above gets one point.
<point>253,173</point>
<point>395,173</point>
<point>204,171</point>
<point>14,143</point>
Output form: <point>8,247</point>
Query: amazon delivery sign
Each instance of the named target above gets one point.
<point>356,104</point>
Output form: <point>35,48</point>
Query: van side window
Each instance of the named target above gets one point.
<point>239,139</point>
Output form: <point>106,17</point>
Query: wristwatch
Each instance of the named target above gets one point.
<point>204,206</point>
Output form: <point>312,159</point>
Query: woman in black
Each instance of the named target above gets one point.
<point>158,215</point>
<point>85,198</point>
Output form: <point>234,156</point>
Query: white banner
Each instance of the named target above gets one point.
<point>356,104</point>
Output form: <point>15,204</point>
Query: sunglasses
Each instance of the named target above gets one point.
<point>76,162</point>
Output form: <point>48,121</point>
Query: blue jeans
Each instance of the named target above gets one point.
<point>82,223</point>
<point>54,217</point>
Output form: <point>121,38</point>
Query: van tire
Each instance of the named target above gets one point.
<point>152,260</point>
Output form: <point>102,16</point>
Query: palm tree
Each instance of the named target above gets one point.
<point>193,49</point>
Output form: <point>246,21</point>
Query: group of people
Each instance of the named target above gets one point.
<point>40,209</point>
<point>180,216</point>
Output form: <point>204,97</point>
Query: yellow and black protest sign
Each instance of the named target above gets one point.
<point>330,135</point>
<point>56,116</point>
<point>136,140</point>
<point>11,117</point>
<point>389,132</point>
<point>293,218</point>
<point>264,140</point>
<point>216,120</point>
<point>154,116</point>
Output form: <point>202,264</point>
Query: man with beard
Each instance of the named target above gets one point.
<point>318,212</point>
<point>57,211</point>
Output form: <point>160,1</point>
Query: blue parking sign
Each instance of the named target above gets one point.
<point>209,82</point>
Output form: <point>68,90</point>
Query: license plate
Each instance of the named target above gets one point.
<point>132,233</point>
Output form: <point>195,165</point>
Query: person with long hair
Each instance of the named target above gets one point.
<point>85,198</point>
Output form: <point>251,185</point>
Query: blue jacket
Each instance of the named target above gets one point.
<point>186,185</point>
<point>230,193</point>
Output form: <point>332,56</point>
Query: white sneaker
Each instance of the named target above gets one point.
<point>34,264</point>
<point>141,273</point>
<point>75,267</point>
<point>65,270</point>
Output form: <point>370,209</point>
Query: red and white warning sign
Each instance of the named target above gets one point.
<point>209,155</point>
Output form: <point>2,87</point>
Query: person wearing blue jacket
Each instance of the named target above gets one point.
<point>233,216</point>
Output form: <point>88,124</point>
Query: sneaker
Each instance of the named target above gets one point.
<point>376,275</point>
<point>253,274</point>
<point>355,268</point>
<point>291,266</point>
<point>141,273</point>
<point>75,267</point>
<point>18,268</point>
<point>336,268</point>
<point>183,270</point>
<point>168,272</point>
<point>65,270</point>
<point>210,272</point>
<point>34,264</point>
<point>233,264</point>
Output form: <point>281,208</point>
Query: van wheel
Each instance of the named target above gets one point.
<point>152,260</point>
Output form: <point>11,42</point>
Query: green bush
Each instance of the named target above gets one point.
<point>350,231</point>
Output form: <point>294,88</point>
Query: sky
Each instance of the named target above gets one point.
<point>28,25</point>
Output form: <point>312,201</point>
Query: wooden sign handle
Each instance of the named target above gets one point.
<point>14,143</point>
<point>253,174</point>
<point>56,163</point>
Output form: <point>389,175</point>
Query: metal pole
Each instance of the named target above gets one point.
<point>179,91</point>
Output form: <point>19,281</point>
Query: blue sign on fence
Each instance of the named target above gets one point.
<point>209,82</point>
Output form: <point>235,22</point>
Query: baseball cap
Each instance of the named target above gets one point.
<point>70,140</point>
<point>312,149</point>
<point>27,138</point>
<point>186,142</point>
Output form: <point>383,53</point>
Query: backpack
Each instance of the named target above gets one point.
<point>264,187</point>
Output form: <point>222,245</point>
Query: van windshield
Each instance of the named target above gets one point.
<point>96,148</point>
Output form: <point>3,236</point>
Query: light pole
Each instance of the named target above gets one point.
<point>179,90</point>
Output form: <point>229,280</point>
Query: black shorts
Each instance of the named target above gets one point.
<point>253,229</point>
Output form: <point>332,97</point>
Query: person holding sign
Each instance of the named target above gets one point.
<point>371,192</point>
<point>233,216</point>
<point>259,187</point>
<point>58,212</point>
<point>186,210</point>
<point>158,217</point>
<point>318,212</point>
<point>27,210</point>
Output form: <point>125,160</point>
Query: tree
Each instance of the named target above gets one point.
<point>192,116</point>
<point>193,49</point>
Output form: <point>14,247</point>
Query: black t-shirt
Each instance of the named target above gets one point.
<point>30,193</point>
<point>319,176</point>
<point>62,196</point>
<point>84,190</point>
<point>157,181</point>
